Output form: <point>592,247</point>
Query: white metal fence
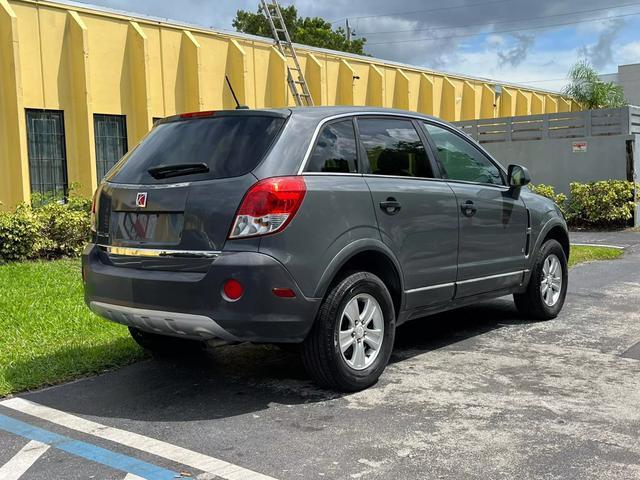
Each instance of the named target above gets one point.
<point>589,123</point>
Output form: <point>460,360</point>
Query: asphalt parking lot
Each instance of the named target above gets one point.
<point>475,393</point>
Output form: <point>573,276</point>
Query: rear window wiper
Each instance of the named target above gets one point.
<point>178,169</point>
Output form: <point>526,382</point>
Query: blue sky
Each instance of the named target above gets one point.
<point>485,38</point>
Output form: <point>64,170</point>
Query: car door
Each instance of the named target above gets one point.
<point>493,221</point>
<point>416,213</point>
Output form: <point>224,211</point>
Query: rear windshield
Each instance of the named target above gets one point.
<point>230,146</point>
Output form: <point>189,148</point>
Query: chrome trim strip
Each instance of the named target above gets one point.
<point>410,115</point>
<point>339,174</point>
<point>490,277</point>
<point>462,282</point>
<point>431,287</point>
<point>159,186</point>
<point>151,252</point>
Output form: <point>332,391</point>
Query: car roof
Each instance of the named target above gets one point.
<point>329,111</point>
<point>313,114</point>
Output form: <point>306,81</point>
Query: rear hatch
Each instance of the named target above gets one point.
<point>180,187</point>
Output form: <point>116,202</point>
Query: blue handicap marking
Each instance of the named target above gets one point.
<point>86,450</point>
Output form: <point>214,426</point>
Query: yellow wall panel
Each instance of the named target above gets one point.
<point>470,102</point>
<point>426,95</point>
<point>360,82</point>
<point>401,90</point>
<point>375,87</point>
<point>77,104</point>
<point>537,104</point>
<point>314,75</point>
<point>523,105</point>
<point>14,165</point>
<point>488,104</point>
<point>28,35</point>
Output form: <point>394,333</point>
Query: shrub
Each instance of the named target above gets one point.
<point>20,234</point>
<point>548,191</point>
<point>607,203</point>
<point>46,230</point>
<point>65,227</point>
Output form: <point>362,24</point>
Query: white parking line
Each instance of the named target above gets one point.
<point>131,476</point>
<point>180,455</point>
<point>20,463</point>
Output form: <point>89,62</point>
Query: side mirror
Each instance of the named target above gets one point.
<point>518,176</point>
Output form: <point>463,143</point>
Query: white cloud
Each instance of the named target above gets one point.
<point>629,53</point>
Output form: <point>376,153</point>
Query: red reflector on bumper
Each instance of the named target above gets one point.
<point>232,290</point>
<point>284,292</point>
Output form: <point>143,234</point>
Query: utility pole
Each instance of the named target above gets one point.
<point>349,31</point>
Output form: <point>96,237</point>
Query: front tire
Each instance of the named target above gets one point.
<point>351,340</point>
<point>547,287</point>
<point>164,345</point>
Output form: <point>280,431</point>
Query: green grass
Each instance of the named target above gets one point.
<point>47,334</point>
<point>580,254</point>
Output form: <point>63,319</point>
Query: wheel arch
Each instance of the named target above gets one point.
<point>559,233</point>
<point>370,256</point>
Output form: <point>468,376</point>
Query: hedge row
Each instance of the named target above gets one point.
<point>605,204</point>
<point>53,229</point>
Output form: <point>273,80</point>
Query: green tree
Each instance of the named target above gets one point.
<point>315,31</point>
<point>590,91</point>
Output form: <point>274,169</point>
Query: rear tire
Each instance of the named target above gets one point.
<point>351,340</point>
<point>164,345</point>
<point>547,287</point>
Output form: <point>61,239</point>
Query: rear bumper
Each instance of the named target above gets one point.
<point>190,304</point>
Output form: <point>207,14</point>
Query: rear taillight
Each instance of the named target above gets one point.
<point>93,211</point>
<point>268,206</point>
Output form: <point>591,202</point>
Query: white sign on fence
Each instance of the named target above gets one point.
<point>579,147</point>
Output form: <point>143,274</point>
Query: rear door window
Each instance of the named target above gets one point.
<point>230,146</point>
<point>335,150</point>
<point>394,147</point>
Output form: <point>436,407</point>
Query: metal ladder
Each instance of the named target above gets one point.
<point>295,77</point>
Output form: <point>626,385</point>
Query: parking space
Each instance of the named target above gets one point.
<point>475,393</point>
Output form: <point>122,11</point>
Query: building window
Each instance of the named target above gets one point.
<point>47,153</point>
<point>111,141</point>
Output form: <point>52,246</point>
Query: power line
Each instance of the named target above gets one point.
<point>503,21</point>
<point>424,11</point>
<point>542,27</point>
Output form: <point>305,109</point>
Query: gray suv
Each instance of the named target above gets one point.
<point>322,227</point>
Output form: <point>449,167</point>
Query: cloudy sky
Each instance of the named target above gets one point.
<point>531,42</point>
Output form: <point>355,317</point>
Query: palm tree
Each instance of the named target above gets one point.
<point>590,91</point>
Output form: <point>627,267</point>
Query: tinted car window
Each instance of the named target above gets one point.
<point>335,150</point>
<point>393,147</point>
<point>460,160</point>
<point>230,146</point>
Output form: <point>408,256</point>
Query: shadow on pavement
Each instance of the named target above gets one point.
<point>241,379</point>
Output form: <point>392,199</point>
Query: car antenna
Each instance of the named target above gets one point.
<point>238,106</point>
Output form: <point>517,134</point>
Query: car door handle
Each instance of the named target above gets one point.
<point>390,206</point>
<point>468,208</point>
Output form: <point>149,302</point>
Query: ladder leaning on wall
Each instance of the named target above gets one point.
<point>295,77</point>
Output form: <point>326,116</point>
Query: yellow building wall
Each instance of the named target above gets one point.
<point>84,61</point>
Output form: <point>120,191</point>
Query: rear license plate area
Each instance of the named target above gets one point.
<point>148,227</point>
